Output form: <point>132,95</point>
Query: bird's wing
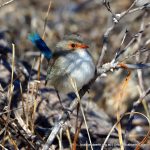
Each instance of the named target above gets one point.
<point>55,70</point>
<point>51,65</point>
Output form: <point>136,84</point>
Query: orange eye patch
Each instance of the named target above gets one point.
<point>78,45</point>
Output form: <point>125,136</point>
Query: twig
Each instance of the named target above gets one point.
<point>127,11</point>
<point>21,132</point>
<point>130,113</point>
<point>3,147</point>
<point>11,88</point>
<point>135,105</point>
<point>27,102</point>
<point>135,66</point>
<point>119,53</point>
<point>105,44</point>
<point>137,46</point>
<point>116,18</point>
<point>46,19</point>
<point>139,8</point>
<point>6,3</point>
<point>58,125</point>
<point>73,83</point>
<point>142,50</point>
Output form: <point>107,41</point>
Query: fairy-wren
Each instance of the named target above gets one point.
<point>71,60</point>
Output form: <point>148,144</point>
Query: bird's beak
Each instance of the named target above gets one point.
<point>83,46</point>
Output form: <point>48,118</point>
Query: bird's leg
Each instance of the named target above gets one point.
<point>59,98</point>
<point>63,108</point>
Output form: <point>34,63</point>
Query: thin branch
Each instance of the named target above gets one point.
<point>130,113</point>
<point>137,46</point>
<point>10,92</point>
<point>134,66</point>
<point>73,83</point>
<point>127,11</point>
<point>115,18</point>
<point>6,3</point>
<point>46,19</point>
<point>135,105</point>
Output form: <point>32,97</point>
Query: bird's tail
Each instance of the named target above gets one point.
<point>41,45</point>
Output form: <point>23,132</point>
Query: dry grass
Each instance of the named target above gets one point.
<point>115,113</point>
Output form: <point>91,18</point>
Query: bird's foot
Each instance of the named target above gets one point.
<point>66,109</point>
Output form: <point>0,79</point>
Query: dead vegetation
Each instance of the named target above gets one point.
<point>114,114</point>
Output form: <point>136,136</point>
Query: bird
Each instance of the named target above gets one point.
<point>71,61</point>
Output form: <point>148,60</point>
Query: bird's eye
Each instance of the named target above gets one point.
<point>73,45</point>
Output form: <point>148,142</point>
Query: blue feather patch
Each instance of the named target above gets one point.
<point>41,45</point>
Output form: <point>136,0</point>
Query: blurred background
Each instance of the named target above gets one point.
<point>90,19</point>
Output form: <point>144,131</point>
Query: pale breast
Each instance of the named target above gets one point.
<point>77,65</point>
<point>82,68</point>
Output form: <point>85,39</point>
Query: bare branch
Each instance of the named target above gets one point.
<point>6,3</point>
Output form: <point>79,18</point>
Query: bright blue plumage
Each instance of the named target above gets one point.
<point>41,45</point>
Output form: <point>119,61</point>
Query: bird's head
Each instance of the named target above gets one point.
<point>71,43</point>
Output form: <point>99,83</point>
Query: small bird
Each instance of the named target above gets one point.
<point>71,60</point>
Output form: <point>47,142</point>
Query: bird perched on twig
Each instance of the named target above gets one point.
<point>71,60</point>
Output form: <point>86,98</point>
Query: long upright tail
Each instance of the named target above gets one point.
<point>41,45</point>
